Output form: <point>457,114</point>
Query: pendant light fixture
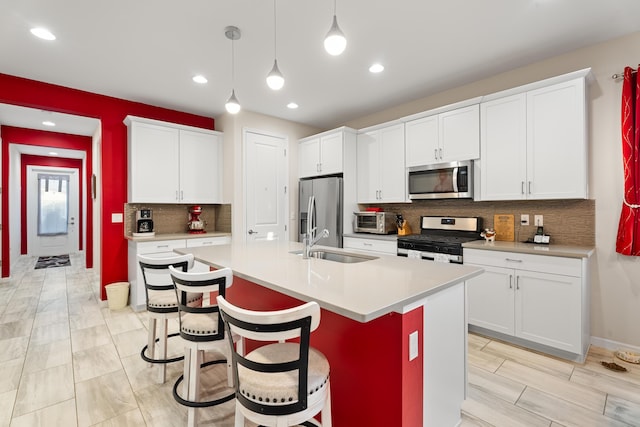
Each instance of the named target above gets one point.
<point>335,41</point>
<point>232,105</point>
<point>275,80</point>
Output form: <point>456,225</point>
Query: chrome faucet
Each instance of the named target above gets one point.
<point>310,239</point>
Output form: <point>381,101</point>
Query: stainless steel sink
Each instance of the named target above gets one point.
<point>342,257</point>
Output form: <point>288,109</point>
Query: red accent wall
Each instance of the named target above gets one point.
<point>60,162</point>
<point>113,183</point>
<point>373,383</point>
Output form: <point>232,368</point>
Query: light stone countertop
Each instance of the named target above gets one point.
<point>532,248</point>
<point>361,291</point>
<point>176,236</point>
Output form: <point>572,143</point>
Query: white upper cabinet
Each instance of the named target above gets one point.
<point>445,137</point>
<point>534,144</point>
<point>504,149</point>
<point>200,167</point>
<point>322,154</point>
<point>381,175</point>
<point>169,163</point>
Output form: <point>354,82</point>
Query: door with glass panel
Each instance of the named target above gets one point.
<point>52,211</point>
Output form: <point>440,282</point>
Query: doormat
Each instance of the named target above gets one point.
<point>53,261</point>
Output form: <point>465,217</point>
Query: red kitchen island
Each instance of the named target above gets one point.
<point>393,328</point>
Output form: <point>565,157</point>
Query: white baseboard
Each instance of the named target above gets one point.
<point>613,345</point>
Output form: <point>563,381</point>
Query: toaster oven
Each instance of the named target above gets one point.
<point>374,222</point>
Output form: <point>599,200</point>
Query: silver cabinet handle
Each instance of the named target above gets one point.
<point>512,260</point>
<point>440,150</point>
<point>177,198</point>
<point>367,244</point>
<point>517,282</point>
<point>435,153</point>
<point>162,246</point>
<point>529,187</point>
<point>522,187</point>
<point>181,195</point>
<point>511,281</point>
<point>252,232</point>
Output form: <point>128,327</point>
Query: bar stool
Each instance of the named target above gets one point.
<point>162,305</point>
<point>202,329</point>
<point>281,383</point>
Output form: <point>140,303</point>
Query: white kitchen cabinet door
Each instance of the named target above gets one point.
<point>380,165</point>
<point>548,309</point>
<point>200,167</point>
<point>556,142</point>
<point>393,175</point>
<point>503,159</point>
<point>459,132</point>
<point>368,164</point>
<point>154,175</point>
<point>422,141</point>
<point>331,153</point>
<point>309,157</point>
<point>491,299</point>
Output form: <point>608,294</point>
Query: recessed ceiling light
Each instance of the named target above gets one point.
<point>48,123</point>
<point>376,68</point>
<point>200,79</point>
<point>292,105</point>
<point>43,33</point>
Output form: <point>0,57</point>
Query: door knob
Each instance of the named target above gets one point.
<point>252,232</point>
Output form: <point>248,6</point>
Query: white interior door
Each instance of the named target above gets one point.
<point>265,186</point>
<point>64,240</point>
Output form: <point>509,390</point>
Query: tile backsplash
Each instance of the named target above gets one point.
<point>169,219</point>
<point>568,222</point>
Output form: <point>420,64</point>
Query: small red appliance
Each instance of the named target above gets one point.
<point>195,224</point>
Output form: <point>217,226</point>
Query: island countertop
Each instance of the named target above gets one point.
<point>361,291</point>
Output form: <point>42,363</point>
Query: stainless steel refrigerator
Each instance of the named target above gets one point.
<point>328,213</point>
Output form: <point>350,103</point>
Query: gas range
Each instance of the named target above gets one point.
<point>440,238</point>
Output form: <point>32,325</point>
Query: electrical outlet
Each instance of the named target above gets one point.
<point>538,220</point>
<point>524,219</point>
<point>413,345</point>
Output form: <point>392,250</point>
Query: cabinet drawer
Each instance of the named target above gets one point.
<point>540,263</point>
<point>209,241</point>
<point>159,246</point>
<point>370,245</point>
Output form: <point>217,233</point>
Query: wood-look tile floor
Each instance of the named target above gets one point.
<point>510,387</point>
<point>67,360</point>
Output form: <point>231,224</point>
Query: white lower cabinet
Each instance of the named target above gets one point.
<point>159,249</point>
<point>374,246</point>
<point>540,299</point>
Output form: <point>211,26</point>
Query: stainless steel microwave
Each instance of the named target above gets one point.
<point>374,222</point>
<point>452,180</point>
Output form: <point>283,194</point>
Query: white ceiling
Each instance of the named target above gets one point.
<point>148,50</point>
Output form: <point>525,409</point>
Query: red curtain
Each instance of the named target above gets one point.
<point>628,241</point>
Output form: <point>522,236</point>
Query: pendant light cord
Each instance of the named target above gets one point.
<point>275,31</point>
<point>233,61</point>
